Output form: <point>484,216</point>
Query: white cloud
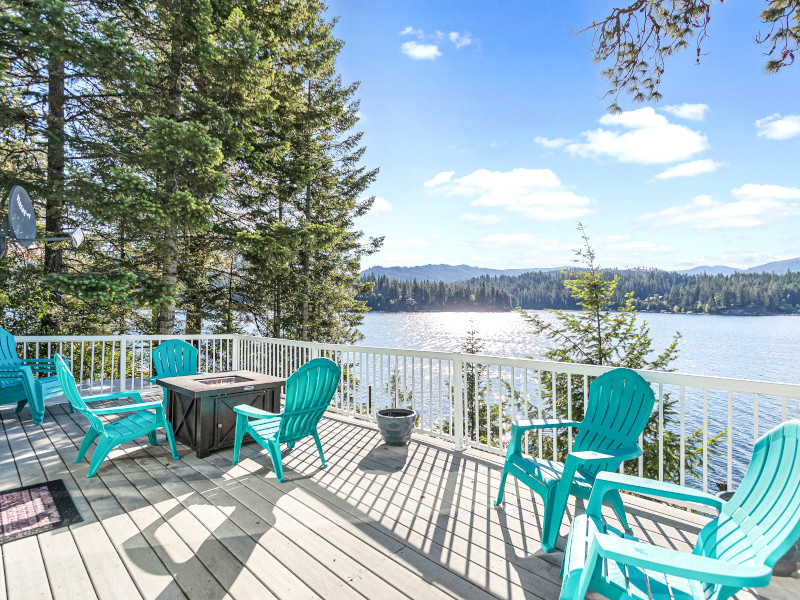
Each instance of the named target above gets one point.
<point>776,127</point>
<point>756,205</point>
<point>411,31</point>
<point>692,112</point>
<point>380,205</point>
<point>522,240</point>
<point>439,179</point>
<point>406,243</point>
<point>460,40</point>
<point>534,193</point>
<point>765,193</point>
<point>548,143</point>
<point>651,139</point>
<point>638,248</point>
<point>690,169</point>
<point>420,51</point>
<point>485,219</point>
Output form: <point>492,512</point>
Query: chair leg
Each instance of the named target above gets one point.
<point>277,461</point>
<point>241,425</point>
<point>151,437</point>
<point>553,515</point>
<point>100,452</point>
<point>319,447</point>
<point>91,436</point>
<point>171,440</point>
<point>615,500</point>
<point>502,489</point>
<point>290,445</point>
<point>20,405</point>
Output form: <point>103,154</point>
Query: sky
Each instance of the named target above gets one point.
<point>489,124</point>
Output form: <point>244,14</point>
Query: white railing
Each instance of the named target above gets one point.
<point>471,400</point>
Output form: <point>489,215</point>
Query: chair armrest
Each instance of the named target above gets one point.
<point>615,481</point>
<point>543,424</point>
<point>253,412</point>
<point>51,362</point>
<point>681,564</point>
<point>588,457</point>
<point>111,410</point>
<point>135,395</point>
<point>154,377</point>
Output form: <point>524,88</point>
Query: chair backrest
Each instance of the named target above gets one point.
<point>8,348</point>
<point>620,403</point>
<point>174,358</point>
<point>67,382</point>
<point>308,394</point>
<point>762,519</point>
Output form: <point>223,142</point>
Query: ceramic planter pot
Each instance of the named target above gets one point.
<point>395,425</point>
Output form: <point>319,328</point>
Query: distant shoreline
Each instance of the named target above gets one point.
<point>476,309</point>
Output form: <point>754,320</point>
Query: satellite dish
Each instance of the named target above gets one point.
<point>21,226</point>
<point>21,217</point>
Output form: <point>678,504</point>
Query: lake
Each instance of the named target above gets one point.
<point>763,348</point>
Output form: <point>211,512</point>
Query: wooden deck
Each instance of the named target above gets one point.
<point>379,522</point>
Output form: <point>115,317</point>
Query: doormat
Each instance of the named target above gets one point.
<point>34,509</point>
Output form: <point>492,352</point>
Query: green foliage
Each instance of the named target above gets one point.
<point>637,38</point>
<point>391,295</point>
<point>206,147</point>
<point>604,334</point>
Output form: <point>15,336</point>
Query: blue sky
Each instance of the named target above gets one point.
<point>488,122</point>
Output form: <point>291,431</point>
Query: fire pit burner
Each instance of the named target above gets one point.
<point>223,380</point>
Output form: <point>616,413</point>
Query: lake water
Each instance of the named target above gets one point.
<point>763,348</point>
<point>760,348</point>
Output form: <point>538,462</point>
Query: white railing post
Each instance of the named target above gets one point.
<point>458,401</point>
<point>314,351</point>
<point>236,342</point>
<point>123,362</point>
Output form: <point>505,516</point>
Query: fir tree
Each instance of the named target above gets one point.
<point>601,333</point>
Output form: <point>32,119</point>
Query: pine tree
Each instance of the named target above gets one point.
<point>602,333</point>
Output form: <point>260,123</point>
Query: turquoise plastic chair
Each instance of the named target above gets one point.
<point>308,394</point>
<point>620,403</point>
<point>738,549</point>
<point>17,382</point>
<point>174,358</point>
<point>146,418</point>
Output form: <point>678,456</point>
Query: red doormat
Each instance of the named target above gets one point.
<point>34,509</point>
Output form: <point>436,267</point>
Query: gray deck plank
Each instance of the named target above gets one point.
<point>140,473</point>
<point>378,522</point>
<point>176,558</point>
<point>66,567</point>
<point>26,574</point>
<point>119,559</point>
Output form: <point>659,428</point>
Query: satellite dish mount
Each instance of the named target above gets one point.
<point>21,225</point>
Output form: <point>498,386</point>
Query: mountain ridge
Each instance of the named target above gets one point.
<point>457,273</point>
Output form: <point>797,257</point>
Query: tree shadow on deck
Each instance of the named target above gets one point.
<point>424,509</point>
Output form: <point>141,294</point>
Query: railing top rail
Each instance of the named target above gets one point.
<point>713,382</point>
<point>114,338</point>
<point>788,390</point>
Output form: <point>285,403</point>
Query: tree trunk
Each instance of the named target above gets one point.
<point>165,319</point>
<point>53,255</point>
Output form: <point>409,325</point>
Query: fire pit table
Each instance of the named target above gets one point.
<point>200,407</point>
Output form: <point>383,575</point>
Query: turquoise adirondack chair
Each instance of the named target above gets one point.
<point>174,358</point>
<point>146,418</point>
<point>735,550</point>
<point>620,403</point>
<point>17,382</point>
<point>308,394</point>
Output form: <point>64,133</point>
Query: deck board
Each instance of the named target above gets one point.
<point>378,522</point>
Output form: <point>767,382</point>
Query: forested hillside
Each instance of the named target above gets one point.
<point>653,290</point>
<point>391,295</point>
<point>209,151</point>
